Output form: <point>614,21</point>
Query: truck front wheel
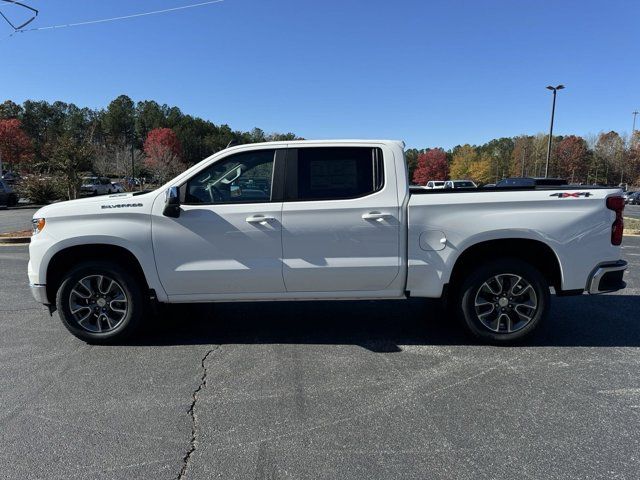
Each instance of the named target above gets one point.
<point>100,302</point>
<point>503,301</point>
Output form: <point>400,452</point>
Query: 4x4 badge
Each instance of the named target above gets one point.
<point>571,195</point>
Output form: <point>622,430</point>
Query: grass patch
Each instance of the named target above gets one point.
<point>631,225</point>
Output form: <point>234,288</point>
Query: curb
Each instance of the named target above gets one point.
<point>14,240</point>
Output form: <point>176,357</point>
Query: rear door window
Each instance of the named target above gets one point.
<point>333,173</point>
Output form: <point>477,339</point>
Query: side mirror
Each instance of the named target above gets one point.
<point>172,203</point>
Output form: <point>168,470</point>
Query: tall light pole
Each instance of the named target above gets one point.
<point>553,111</point>
<point>633,129</point>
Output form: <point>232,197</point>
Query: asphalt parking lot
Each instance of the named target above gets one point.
<point>15,219</point>
<point>351,390</point>
<point>632,211</point>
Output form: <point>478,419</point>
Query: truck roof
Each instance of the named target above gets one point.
<point>323,142</point>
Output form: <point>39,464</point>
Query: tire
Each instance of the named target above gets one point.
<point>12,201</point>
<point>503,301</point>
<point>109,319</point>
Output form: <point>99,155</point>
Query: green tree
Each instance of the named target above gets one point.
<point>148,115</point>
<point>501,152</point>
<point>411,156</point>
<point>70,158</point>
<point>9,109</point>
<point>282,137</point>
<point>44,124</point>
<point>119,120</point>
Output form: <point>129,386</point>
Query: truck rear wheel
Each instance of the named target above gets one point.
<point>100,303</point>
<point>504,301</point>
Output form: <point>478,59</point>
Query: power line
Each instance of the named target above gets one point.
<point>113,19</point>
<point>19,4</point>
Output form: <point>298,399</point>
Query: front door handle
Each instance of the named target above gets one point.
<point>375,216</point>
<point>262,219</point>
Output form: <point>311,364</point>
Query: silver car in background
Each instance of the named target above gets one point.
<point>96,186</point>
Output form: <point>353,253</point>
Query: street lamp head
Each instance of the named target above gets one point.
<point>559,87</point>
<point>550,88</point>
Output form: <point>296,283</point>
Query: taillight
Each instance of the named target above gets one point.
<point>617,205</point>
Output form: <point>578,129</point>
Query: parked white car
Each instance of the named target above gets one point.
<point>96,186</point>
<point>435,184</point>
<point>323,220</point>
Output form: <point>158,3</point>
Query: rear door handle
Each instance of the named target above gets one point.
<point>259,219</point>
<point>375,215</point>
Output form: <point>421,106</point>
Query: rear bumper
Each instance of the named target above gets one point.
<point>39,293</point>
<point>607,277</point>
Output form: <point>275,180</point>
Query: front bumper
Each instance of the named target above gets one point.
<point>39,293</point>
<point>607,277</point>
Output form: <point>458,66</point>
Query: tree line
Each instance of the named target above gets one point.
<point>63,141</point>
<point>607,159</point>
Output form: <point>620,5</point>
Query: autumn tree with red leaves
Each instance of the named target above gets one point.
<point>163,154</point>
<point>15,146</point>
<point>572,155</point>
<point>432,165</point>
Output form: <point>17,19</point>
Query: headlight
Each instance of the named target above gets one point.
<point>38,225</point>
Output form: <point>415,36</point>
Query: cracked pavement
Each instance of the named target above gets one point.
<point>320,390</point>
<point>195,427</point>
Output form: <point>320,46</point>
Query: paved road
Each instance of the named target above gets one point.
<point>356,390</point>
<point>632,211</point>
<point>14,219</point>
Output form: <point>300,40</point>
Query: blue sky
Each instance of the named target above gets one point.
<point>431,73</point>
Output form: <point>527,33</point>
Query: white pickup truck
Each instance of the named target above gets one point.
<point>323,220</point>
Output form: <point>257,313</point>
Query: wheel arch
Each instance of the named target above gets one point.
<point>65,259</point>
<point>536,252</point>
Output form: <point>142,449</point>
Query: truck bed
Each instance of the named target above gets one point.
<point>443,223</point>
